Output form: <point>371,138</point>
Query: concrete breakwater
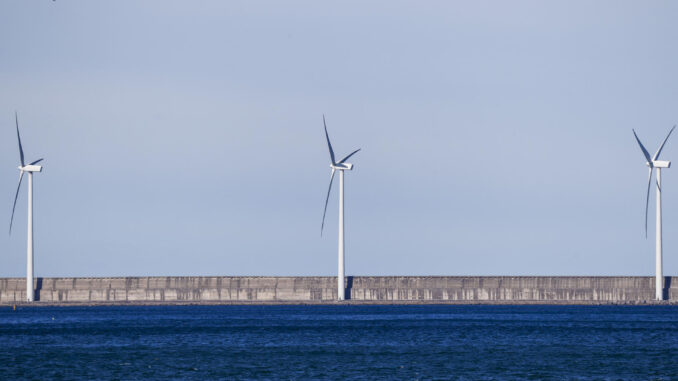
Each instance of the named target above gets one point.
<point>359,289</point>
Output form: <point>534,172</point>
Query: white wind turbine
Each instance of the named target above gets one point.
<point>653,163</point>
<point>340,166</point>
<point>30,168</point>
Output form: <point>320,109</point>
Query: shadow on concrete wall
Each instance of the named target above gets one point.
<point>38,287</point>
<point>667,287</point>
<point>349,287</point>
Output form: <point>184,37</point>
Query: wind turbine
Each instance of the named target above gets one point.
<point>340,166</point>
<point>23,168</point>
<point>653,163</point>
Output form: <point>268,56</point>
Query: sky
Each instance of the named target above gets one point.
<point>186,138</point>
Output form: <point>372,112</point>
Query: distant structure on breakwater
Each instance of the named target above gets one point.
<point>323,290</point>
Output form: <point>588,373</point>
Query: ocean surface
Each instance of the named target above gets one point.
<point>340,342</point>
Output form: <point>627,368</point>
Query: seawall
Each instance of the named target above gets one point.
<point>320,290</point>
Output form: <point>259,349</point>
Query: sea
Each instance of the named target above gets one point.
<point>350,342</point>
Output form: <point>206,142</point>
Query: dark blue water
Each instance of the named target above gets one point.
<point>340,342</point>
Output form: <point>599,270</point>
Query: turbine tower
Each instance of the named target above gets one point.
<point>340,166</point>
<point>653,163</point>
<point>23,168</point>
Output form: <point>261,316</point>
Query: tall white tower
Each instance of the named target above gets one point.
<point>653,163</point>
<point>30,169</point>
<point>340,166</point>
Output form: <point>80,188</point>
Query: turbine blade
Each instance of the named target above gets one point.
<point>21,150</point>
<point>36,162</point>
<point>351,154</point>
<point>21,176</point>
<point>656,155</point>
<point>328,142</point>
<point>647,198</point>
<point>327,199</point>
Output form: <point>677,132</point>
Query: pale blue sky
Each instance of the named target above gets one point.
<point>185,138</point>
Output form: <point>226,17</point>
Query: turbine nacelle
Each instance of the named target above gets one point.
<point>31,168</point>
<point>652,163</point>
<point>659,164</point>
<point>342,166</point>
<point>336,165</point>
<point>23,167</point>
